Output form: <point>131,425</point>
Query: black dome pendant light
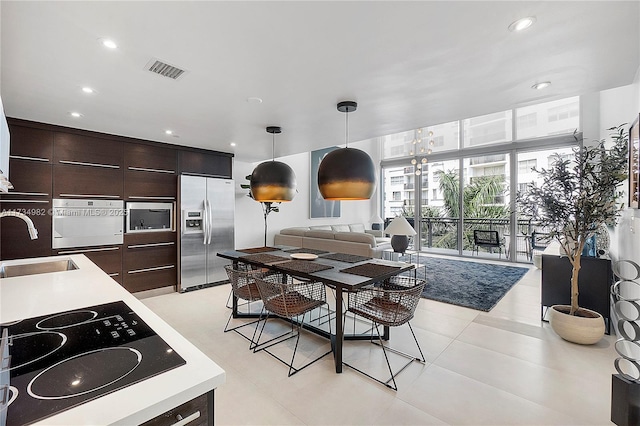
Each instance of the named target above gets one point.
<point>347,173</point>
<point>273,181</point>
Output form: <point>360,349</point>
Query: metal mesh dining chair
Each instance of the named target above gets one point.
<point>288,298</point>
<point>243,286</point>
<point>391,303</point>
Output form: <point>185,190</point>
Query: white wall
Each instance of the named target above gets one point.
<point>249,223</point>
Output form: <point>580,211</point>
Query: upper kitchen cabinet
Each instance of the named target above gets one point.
<point>87,167</point>
<point>30,144</point>
<point>87,151</point>
<point>150,172</point>
<point>205,164</point>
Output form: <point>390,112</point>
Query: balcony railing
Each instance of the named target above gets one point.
<point>442,233</point>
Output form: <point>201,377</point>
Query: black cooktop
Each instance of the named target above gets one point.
<point>56,362</point>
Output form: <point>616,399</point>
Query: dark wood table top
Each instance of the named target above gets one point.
<point>332,276</point>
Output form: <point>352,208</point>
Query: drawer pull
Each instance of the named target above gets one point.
<point>142,197</point>
<point>114,274</point>
<point>24,201</point>
<point>39,194</point>
<point>22,157</point>
<point>87,250</point>
<point>82,163</point>
<point>157,268</point>
<point>134,246</point>
<point>186,420</point>
<point>144,169</point>
<point>89,196</point>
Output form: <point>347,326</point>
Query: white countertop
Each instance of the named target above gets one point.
<point>35,295</point>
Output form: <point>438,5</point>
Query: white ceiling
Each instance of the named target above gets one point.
<point>407,64</point>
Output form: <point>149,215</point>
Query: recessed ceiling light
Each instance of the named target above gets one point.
<point>232,144</point>
<point>87,90</point>
<point>541,85</point>
<point>254,100</point>
<point>522,24</point>
<point>108,43</point>
<point>168,132</point>
<point>75,114</point>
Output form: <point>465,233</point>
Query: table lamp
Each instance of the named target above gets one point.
<point>376,222</point>
<point>400,229</point>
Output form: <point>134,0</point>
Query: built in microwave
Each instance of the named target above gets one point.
<point>149,217</point>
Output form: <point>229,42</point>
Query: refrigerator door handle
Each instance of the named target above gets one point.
<point>210,219</point>
<point>205,223</point>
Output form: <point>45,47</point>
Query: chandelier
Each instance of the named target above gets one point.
<point>420,149</point>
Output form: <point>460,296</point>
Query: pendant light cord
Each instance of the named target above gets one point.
<point>346,130</point>
<point>273,147</point>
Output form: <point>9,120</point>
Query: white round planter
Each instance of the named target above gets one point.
<point>586,328</point>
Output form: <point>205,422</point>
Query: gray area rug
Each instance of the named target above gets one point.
<point>470,284</point>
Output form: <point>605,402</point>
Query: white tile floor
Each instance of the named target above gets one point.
<point>503,367</point>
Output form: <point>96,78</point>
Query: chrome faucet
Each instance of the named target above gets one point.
<point>33,232</point>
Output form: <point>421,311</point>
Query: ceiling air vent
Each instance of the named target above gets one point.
<point>164,69</point>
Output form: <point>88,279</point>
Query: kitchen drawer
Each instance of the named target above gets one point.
<point>150,278</point>
<point>14,237</point>
<point>199,409</point>
<point>32,144</point>
<point>150,159</point>
<point>87,182</point>
<point>199,163</point>
<point>30,178</point>
<point>141,256</point>
<point>150,186</point>
<point>88,150</point>
<point>108,258</point>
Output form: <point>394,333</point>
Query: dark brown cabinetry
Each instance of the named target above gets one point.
<point>87,167</point>
<point>594,281</point>
<point>108,258</point>
<point>30,168</point>
<point>150,260</point>
<point>150,172</point>
<point>197,412</point>
<point>48,162</point>
<point>205,164</point>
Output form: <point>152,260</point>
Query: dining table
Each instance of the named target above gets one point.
<point>342,272</point>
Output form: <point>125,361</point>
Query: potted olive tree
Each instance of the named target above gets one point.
<point>574,199</point>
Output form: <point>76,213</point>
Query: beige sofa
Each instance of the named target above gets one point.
<point>349,239</point>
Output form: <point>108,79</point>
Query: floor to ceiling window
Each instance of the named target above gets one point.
<point>464,176</point>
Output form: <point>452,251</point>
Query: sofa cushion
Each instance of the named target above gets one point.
<point>356,237</point>
<point>294,231</point>
<point>341,228</point>
<point>320,233</point>
<point>321,227</point>
<point>356,227</point>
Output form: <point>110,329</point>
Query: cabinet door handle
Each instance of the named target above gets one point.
<point>23,157</point>
<point>114,274</point>
<point>135,246</point>
<point>144,169</point>
<point>144,197</point>
<point>39,194</point>
<point>186,420</point>
<point>82,163</point>
<point>88,250</point>
<point>157,268</point>
<point>89,196</point>
<point>24,201</point>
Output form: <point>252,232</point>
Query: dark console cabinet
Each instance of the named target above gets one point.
<point>594,280</point>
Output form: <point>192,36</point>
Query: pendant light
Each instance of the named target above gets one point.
<point>273,181</point>
<point>347,173</point>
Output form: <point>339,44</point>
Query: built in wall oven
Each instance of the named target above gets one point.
<point>83,223</point>
<point>149,217</point>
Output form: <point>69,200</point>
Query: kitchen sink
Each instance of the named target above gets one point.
<point>7,271</point>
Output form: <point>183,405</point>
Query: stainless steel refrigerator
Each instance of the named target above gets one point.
<point>207,208</point>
